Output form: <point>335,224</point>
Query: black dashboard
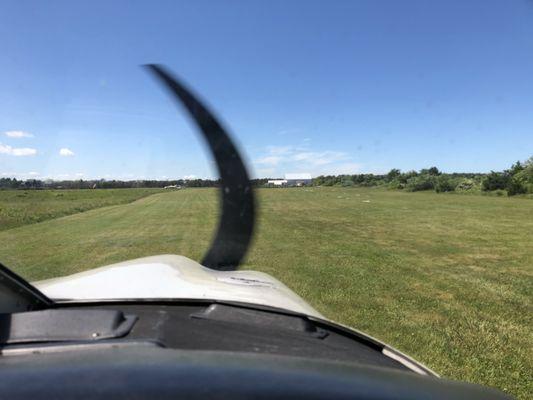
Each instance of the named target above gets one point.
<point>200,350</point>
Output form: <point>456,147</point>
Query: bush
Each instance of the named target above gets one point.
<point>430,171</point>
<point>393,174</point>
<point>522,179</point>
<point>403,178</point>
<point>420,182</point>
<point>516,186</point>
<point>396,184</point>
<point>347,182</point>
<point>465,184</point>
<point>445,184</point>
<point>495,181</point>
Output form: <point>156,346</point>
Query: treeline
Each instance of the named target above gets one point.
<point>516,180</point>
<point>13,183</point>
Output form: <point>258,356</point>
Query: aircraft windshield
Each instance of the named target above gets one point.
<point>375,157</point>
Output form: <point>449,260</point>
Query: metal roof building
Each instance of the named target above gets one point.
<point>298,179</point>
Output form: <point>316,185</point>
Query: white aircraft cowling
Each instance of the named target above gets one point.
<point>173,277</point>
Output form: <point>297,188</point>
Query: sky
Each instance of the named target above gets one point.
<point>319,87</point>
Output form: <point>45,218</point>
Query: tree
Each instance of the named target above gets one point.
<point>433,171</point>
<point>516,185</point>
<point>516,168</point>
<point>495,181</point>
<point>393,174</point>
<point>522,179</point>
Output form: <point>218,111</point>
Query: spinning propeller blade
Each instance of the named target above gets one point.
<point>236,224</point>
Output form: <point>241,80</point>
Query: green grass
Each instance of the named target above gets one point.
<point>22,207</point>
<point>448,279</point>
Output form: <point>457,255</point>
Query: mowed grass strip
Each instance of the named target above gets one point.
<point>171,222</point>
<point>22,207</point>
<point>446,278</point>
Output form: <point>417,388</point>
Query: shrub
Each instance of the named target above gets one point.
<point>403,178</point>
<point>495,181</point>
<point>393,174</point>
<point>522,179</point>
<point>465,185</point>
<point>396,184</point>
<point>420,182</point>
<point>430,171</point>
<point>516,186</point>
<point>347,182</point>
<point>445,184</point>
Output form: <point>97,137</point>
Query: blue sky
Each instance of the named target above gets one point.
<point>304,86</point>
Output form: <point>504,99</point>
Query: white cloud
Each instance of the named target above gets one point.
<point>280,155</point>
<point>268,172</point>
<point>348,168</point>
<point>64,152</point>
<point>284,132</point>
<point>18,134</point>
<point>17,151</point>
<point>21,175</point>
<point>189,177</point>
<point>24,151</point>
<point>320,158</point>
<point>269,160</point>
<point>279,150</point>
<point>302,158</point>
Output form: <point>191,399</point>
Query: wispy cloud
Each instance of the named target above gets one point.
<point>21,175</point>
<point>277,160</point>
<point>18,134</point>
<point>17,151</point>
<point>320,157</point>
<point>269,160</point>
<point>64,152</point>
<point>269,172</point>
<point>284,132</point>
<point>347,168</point>
<point>279,150</point>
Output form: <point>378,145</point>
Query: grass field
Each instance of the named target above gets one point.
<point>20,207</point>
<point>446,278</point>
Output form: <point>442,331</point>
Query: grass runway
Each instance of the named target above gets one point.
<point>445,278</point>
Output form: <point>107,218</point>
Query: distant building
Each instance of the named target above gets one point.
<point>291,180</point>
<point>172,187</point>
<point>298,179</point>
<point>277,182</point>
